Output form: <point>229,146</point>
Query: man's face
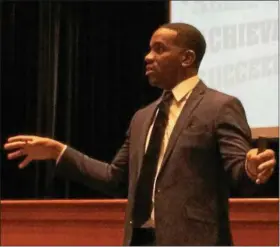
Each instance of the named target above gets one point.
<point>164,61</point>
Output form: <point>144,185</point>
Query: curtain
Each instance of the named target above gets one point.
<point>72,71</point>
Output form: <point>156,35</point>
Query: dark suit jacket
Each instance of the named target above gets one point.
<point>205,157</point>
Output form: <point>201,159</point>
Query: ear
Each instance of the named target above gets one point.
<point>188,58</point>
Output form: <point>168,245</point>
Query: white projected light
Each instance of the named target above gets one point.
<point>242,53</point>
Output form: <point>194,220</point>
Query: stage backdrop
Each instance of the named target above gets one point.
<point>74,72</point>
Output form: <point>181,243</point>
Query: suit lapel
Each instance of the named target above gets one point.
<point>184,119</point>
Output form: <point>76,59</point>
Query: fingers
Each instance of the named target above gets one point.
<point>22,143</point>
<point>23,138</point>
<point>16,154</point>
<point>14,145</point>
<point>264,176</point>
<point>262,164</point>
<point>25,162</point>
<point>267,165</point>
<point>265,155</point>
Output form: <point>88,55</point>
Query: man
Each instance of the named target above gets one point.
<point>181,155</point>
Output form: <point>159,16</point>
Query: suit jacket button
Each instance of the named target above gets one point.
<point>158,190</point>
<point>130,222</point>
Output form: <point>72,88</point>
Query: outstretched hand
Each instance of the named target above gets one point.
<point>32,148</point>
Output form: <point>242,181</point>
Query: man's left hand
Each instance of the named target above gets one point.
<point>260,167</point>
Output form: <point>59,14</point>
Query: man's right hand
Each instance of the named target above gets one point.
<point>33,147</point>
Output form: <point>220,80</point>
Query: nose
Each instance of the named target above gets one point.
<point>149,57</point>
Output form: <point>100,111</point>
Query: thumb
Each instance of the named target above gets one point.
<point>250,154</point>
<point>25,162</point>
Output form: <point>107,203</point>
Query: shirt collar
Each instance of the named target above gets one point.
<point>184,87</point>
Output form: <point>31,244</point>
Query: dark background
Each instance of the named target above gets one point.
<point>74,71</point>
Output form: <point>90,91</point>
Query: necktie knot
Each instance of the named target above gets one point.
<point>167,97</point>
<point>166,100</point>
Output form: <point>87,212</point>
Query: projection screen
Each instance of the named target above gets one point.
<point>242,54</point>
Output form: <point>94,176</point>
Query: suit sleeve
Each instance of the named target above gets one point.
<point>111,179</point>
<point>234,141</point>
